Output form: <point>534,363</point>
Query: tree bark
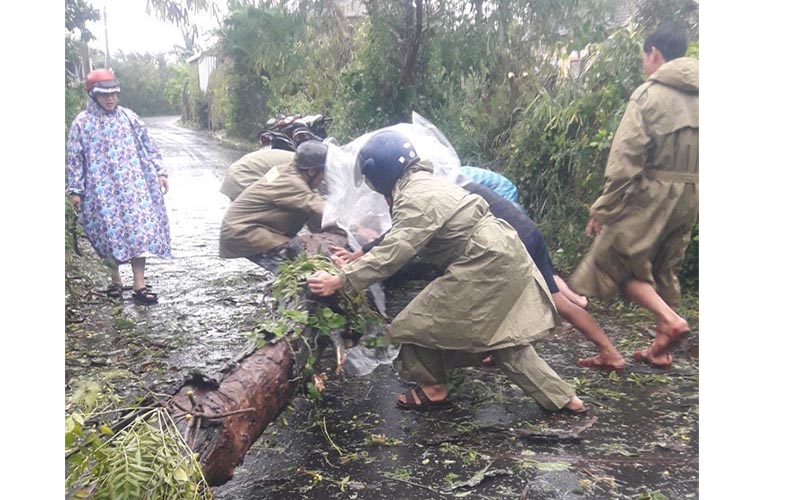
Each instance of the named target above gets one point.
<point>410,66</point>
<point>221,422</point>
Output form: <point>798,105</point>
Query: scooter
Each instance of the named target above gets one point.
<point>288,132</point>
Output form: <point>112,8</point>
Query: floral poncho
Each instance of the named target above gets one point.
<point>114,166</point>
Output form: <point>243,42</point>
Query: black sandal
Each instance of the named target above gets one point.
<point>129,287</point>
<point>145,296</point>
<point>425,402</point>
<point>114,291</point>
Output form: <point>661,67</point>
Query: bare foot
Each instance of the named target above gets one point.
<point>601,362</point>
<point>575,406</point>
<point>674,330</point>
<point>487,362</point>
<point>667,336</point>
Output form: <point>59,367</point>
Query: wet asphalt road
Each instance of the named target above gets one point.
<point>640,439</point>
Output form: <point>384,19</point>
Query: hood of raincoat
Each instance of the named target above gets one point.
<point>682,73</point>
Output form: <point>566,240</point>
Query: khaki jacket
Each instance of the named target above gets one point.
<point>490,295</point>
<point>650,200</point>
<point>251,167</point>
<point>269,213</point>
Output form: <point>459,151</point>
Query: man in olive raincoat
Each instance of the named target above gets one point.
<point>644,218</point>
<point>263,219</point>
<point>251,167</point>
<point>490,297</point>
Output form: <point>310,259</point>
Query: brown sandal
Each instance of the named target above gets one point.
<point>425,402</point>
<point>596,362</point>
<point>645,356</point>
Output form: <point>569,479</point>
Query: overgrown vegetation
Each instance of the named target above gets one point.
<point>557,150</point>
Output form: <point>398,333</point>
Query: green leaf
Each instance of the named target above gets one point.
<point>181,475</point>
<point>299,316</point>
<point>69,425</point>
<point>81,493</point>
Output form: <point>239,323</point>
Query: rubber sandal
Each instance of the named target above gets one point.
<point>582,411</point>
<point>645,356</point>
<point>425,402</point>
<point>145,296</point>
<point>114,291</point>
<point>595,363</point>
<point>129,287</point>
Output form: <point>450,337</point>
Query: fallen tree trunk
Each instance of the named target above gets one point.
<point>221,421</point>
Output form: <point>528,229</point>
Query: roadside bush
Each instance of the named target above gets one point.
<point>557,151</point>
<point>690,271</point>
<point>263,53</point>
<point>218,99</point>
<point>195,104</point>
<point>174,88</point>
<point>74,102</point>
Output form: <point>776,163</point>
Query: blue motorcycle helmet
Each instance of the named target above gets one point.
<point>383,159</point>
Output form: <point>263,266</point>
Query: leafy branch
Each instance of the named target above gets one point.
<point>148,459</point>
<point>296,311</point>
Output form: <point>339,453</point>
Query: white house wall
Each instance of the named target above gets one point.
<point>204,68</point>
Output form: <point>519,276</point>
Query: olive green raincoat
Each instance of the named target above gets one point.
<point>491,295</point>
<point>269,213</point>
<point>650,201</point>
<point>251,167</point>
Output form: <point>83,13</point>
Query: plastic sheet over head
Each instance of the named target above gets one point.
<point>361,212</point>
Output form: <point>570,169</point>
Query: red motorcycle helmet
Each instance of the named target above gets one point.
<point>102,81</point>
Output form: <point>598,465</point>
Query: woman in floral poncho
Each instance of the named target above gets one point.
<point>116,179</point>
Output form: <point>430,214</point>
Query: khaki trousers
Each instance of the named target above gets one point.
<point>520,363</point>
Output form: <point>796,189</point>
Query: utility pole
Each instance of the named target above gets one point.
<point>105,26</point>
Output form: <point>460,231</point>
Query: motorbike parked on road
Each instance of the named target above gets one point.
<point>288,132</point>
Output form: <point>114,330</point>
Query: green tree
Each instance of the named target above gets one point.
<point>264,53</point>
<point>144,79</point>
<point>651,13</point>
<point>76,14</point>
